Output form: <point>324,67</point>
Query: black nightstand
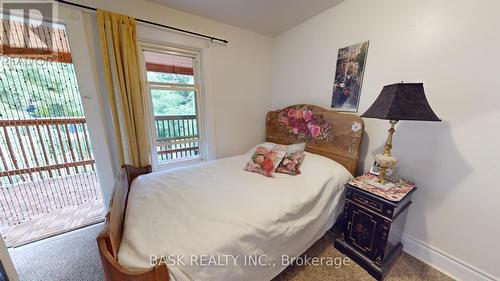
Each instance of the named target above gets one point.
<point>372,225</point>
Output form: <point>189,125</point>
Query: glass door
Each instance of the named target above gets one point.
<point>47,165</point>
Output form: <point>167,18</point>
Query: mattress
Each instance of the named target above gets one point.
<point>215,221</point>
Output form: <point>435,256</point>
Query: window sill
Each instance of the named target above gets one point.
<point>186,162</point>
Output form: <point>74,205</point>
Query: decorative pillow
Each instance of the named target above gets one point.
<point>269,145</point>
<point>292,160</point>
<point>265,160</point>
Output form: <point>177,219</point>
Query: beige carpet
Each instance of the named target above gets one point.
<point>74,257</point>
<point>407,268</point>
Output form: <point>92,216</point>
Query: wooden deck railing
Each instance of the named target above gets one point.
<point>39,162</point>
<point>44,146</point>
<point>177,136</point>
<point>47,164</point>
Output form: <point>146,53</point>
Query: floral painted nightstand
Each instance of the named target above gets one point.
<point>372,224</point>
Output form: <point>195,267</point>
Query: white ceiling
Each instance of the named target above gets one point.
<point>270,17</point>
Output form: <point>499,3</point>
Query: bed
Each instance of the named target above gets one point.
<point>258,220</point>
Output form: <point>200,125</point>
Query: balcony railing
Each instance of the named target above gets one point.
<point>177,137</point>
<point>45,164</point>
<point>48,164</point>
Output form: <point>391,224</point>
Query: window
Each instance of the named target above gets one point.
<point>173,94</point>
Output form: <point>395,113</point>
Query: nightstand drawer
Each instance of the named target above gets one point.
<point>360,198</point>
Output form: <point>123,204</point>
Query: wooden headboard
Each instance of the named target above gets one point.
<point>334,135</point>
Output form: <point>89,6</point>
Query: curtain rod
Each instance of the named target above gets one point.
<point>211,38</point>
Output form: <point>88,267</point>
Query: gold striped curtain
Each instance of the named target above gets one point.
<point>125,87</point>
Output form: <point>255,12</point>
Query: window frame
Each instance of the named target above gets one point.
<point>197,87</point>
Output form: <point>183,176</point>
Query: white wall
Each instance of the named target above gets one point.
<point>453,47</point>
<point>238,76</point>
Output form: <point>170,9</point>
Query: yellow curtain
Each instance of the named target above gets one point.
<point>125,87</point>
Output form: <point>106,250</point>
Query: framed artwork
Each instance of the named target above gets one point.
<point>349,72</point>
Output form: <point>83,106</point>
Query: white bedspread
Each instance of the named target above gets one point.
<point>219,211</point>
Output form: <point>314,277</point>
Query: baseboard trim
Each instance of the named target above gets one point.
<point>444,262</point>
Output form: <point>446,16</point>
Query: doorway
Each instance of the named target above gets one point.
<point>48,177</point>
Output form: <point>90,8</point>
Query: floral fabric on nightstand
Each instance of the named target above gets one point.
<point>394,194</point>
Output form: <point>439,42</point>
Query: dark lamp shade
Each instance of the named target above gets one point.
<point>402,101</point>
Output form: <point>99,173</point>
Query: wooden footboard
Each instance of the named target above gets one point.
<point>110,238</point>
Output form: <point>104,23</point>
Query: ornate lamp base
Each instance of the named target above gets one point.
<point>385,161</point>
<point>386,186</point>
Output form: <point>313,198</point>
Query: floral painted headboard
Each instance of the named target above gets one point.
<point>334,135</point>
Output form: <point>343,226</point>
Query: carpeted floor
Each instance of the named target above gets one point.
<point>407,268</point>
<point>68,257</point>
<point>74,257</point>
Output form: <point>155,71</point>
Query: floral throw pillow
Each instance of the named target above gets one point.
<point>292,160</point>
<point>266,144</point>
<point>265,160</point>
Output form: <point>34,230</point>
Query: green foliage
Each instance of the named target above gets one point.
<point>43,89</point>
<point>169,102</point>
<point>170,78</point>
<point>173,102</point>
<point>38,88</point>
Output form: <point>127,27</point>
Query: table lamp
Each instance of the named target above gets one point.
<point>401,101</point>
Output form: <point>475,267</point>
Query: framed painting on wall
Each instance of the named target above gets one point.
<point>349,72</point>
